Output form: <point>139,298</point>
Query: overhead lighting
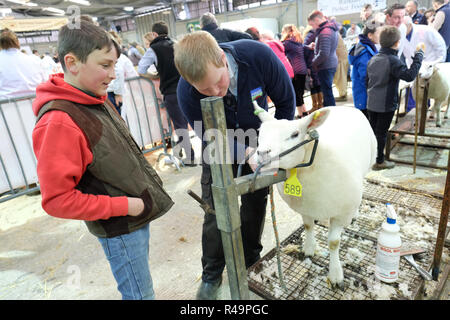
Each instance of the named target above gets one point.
<point>54,10</point>
<point>82,2</point>
<point>24,3</point>
<point>162,10</point>
<point>128,8</point>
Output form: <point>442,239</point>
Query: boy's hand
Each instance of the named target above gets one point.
<point>421,46</point>
<point>135,206</point>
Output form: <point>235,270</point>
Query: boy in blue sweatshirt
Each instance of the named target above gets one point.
<point>239,71</point>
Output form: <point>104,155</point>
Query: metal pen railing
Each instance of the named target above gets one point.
<point>142,111</point>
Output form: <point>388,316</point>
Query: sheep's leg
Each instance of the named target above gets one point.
<point>437,111</point>
<point>335,273</point>
<point>446,109</point>
<point>310,241</point>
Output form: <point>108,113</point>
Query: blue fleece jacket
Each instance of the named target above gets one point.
<point>359,56</point>
<point>259,70</point>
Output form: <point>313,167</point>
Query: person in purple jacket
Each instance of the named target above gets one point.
<point>325,59</point>
<point>293,46</point>
<point>309,38</point>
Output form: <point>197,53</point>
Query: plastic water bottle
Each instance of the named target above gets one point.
<point>388,248</point>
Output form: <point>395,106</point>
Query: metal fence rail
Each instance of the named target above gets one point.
<point>142,110</point>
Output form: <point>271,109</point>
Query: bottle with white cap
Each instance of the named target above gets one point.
<point>388,248</point>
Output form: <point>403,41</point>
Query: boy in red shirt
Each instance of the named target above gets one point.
<point>88,165</point>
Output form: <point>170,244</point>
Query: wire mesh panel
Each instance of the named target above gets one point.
<point>306,277</point>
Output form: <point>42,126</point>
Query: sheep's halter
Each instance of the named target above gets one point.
<point>314,136</point>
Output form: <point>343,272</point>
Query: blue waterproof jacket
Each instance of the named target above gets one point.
<point>359,56</point>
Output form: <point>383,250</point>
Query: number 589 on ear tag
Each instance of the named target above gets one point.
<point>292,186</point>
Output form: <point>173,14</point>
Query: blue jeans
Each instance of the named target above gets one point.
<point>326,85</point>
<point>128,257</point>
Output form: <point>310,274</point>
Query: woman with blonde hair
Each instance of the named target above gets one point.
<point>293,45</point>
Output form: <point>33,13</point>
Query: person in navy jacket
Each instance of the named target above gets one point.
<point>239,71</point>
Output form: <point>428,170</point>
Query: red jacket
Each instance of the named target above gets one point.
<point>63,154</point>
<point>278,48</point>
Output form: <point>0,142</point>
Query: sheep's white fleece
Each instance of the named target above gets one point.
<point>333,184</point>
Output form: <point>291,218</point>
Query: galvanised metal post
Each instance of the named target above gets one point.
<point>225,196</point>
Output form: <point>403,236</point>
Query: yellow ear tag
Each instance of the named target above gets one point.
<point>316,115</point>
<point>292,186</point>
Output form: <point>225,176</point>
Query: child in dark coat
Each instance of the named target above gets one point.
<point>384,72</point>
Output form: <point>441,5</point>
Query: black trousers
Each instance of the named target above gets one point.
<point>252,212</point>
<point>380,122</point>
<point>298,83</point>
<point>179,122</point>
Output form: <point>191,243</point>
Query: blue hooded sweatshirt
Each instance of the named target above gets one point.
<point>359,56</point>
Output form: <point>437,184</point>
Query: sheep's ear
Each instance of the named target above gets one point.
<point>261,113</point>
<point>317,119</point>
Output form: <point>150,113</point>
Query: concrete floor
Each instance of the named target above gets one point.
<point>42,257</point>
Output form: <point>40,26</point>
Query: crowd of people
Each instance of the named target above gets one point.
<point>119,193</point>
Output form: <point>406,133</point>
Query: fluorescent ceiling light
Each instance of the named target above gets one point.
<point>128,8</point>
<point>23,2</point>
<point>82,2</point>
<point>54,10</point>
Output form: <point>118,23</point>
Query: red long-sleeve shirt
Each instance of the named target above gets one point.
<point>63,154</point>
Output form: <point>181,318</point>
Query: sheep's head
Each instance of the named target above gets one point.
<point>276,136</point>
<point>426,70</point>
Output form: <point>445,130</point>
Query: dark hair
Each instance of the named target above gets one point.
<point>367,6</point>
<point>8,40</point>
<point>254,33</point>
<point>315,14</point>
<point>371,26</point>
<point>83,41</point>
<point>395,6</point>
<point>389,36</point>
<point>160,28</point>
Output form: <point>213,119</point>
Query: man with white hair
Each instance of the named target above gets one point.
<point>208,22</point>
<point>411,10</point>
<point>436,50</point>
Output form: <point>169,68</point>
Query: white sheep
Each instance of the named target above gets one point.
<point>438,77</point>
<point>333,184</point>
